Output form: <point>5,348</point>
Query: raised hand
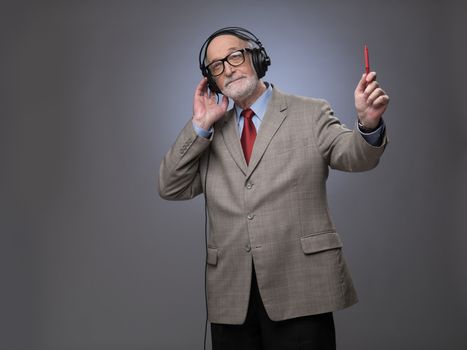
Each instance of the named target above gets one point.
<point>206,110</point>
<point>370,101</point>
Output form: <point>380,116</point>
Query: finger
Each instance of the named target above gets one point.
<point>381,101</point>
<point>201,89</point>
<point>224,102</point>
<point>374,95</point>
<point>361,84</point>
<point>370,77</point>
<point>370,88</point>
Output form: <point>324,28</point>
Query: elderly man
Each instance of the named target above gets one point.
<point>275,267</point>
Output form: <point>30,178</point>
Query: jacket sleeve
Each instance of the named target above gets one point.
<point>342,148</point>
<point>179,175</point>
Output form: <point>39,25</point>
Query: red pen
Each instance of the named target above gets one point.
<point>367,60</point>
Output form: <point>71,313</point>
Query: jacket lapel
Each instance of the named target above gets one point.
<point>232,140</point>
<point>273,119</point>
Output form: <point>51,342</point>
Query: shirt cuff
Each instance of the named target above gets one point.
<point>202,132</point>
<point>375,137</point>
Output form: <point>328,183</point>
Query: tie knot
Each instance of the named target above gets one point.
<point>248,113</point>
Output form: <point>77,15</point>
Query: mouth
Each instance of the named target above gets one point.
<point>233,81</point>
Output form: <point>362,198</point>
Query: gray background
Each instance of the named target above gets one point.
<point>93,93</point>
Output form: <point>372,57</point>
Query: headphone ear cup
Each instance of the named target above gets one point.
<point>256,62</point>
<point>260,61</point>
<point>212,85</point>
<point>265,61</point>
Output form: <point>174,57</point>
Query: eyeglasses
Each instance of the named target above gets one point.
<point>235,59</point>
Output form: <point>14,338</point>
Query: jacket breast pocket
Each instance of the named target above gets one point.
<point>212,256</point>
<point>320,242</point>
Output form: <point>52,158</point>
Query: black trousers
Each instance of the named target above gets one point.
<point>259,332</point>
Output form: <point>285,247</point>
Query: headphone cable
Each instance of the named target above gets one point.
<point>206,246</point>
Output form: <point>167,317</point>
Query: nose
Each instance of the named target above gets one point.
<point>228,69</point>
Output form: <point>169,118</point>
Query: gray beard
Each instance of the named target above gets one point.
<point>246,89</point>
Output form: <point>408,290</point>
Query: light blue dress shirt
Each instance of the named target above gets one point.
<point>259,107</point>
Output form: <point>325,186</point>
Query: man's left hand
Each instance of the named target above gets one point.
<point>370,101</point>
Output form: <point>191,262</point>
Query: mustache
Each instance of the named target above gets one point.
<point>232,79</point>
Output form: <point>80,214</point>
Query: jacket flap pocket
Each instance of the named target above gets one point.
<point>320,242</point>
<point>212,256</point>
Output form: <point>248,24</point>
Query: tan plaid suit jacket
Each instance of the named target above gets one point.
<point>273,212</point>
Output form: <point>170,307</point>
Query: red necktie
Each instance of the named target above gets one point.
<point>248,134</point>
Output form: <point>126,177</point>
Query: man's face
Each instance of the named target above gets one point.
<point>235,82</point>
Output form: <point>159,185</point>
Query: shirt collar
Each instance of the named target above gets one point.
<point>260,105</point>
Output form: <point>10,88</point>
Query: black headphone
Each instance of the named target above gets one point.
<point>260,58</point>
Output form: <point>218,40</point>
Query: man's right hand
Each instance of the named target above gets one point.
<point>206,110</point>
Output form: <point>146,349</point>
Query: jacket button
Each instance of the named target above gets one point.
<point>250,216</point>
<point>247,247</point>
<point>249,185</point>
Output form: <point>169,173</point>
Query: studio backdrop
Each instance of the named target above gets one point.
<point>93,93</point>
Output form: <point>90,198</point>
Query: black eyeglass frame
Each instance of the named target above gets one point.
<point>226,59</point>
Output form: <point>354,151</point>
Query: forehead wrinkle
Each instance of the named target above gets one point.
<point>233,42</point>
